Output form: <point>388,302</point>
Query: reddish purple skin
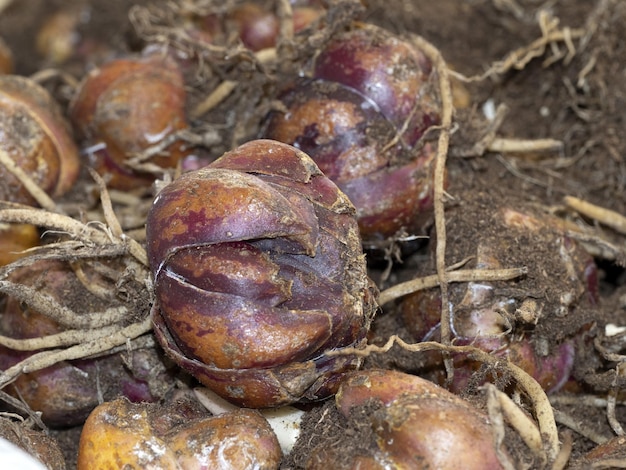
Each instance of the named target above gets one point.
<point>241,320</point>
<point>258,271</point>
<point>370,100</point>
<point>386,69</point>
<point>195,224</point>
<point>390,186</point>
<point>393,198</point>
<point>254,388</point>
<point>204,268</point>
<point>357,125</point>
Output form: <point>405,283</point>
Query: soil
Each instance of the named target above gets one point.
<point>573,91</point>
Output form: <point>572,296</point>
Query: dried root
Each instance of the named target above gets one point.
<point>88,333</point>
<point>439,195</point>
<point>552,39</point>
<point>466,275</point>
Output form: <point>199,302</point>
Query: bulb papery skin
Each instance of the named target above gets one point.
<point>258,272</point>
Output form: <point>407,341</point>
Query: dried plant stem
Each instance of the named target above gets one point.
<point>45,359</point>
<point>519,58</point>
<point>579,427</point>
<point>447,108</point>
<point>465,275</point>
<point>33,188</point>
<point>107,207</point>
<point>519,420</point>
<point>65,338</point>
<point>78,230</point>
<point>541,405</point>
<point>607,217</point>
<point>503,145</point>
<point>219,94</point>
<point>64,316</point>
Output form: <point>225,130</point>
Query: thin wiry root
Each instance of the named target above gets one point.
<point>45,359</point>
<point>88,334</point>
<point>90,234</point>
<point>551,37</point>
<point>439,193</point>
<point>465,275</point>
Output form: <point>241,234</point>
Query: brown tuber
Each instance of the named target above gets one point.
<point>416,424</point>
<point>6,58</point>
<point>388,70</point>
<point>259,28</point>
<point>254,25</point>
<point>14,239</point>
<point>258,271</point>
<point>125,107</point>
